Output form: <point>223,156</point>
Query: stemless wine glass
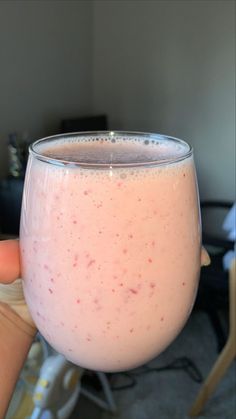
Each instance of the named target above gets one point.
<point>110,244</point>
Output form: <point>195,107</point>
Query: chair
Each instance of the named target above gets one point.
<point>50,386</point>
<point>213,287</point>
<point>227,355</point>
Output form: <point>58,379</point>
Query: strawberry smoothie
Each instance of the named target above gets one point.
<point>110,245</point>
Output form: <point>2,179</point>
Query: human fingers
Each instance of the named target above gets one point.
<point>205,258</point>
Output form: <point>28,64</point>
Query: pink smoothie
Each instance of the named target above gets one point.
<point>110,253</point>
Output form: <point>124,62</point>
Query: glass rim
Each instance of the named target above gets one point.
<point>108,165</point>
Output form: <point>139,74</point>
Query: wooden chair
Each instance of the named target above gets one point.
<point>226,356</point>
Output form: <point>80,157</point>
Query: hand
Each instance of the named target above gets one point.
<point>17,329</point>
<point>11,292</point>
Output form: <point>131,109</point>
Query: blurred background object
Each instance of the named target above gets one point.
<point>18,154</point>
<point>213,291</point>
<point>11,190</point>
<point>86,123</point>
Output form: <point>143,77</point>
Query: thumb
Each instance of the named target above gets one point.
<point>9,261</point>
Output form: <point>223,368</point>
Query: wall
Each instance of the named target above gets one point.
<point>169,67</point>
<point>164,66</point>
<point>45,69</point>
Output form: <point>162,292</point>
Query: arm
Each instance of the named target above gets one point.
<point>16,328</point>
<point>16,338</point>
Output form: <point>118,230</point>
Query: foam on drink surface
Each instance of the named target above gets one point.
<point>118,150</point>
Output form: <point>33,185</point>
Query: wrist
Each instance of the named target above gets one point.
<point>16,338</point>
<point>11,317</point>
<point>13,297</point>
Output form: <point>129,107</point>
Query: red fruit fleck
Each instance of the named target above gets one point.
<point>119,184</point>
<point>131,330</point>
<point>52,279</point>
<point>133,291</point>
<point>85,192</point>
<point>162,319</point>
<point>113,290</point>
<point>74,265</point>
<point>91,262</point>
<point>121,284</point>
<point>124,251</point>
<point>148,327</point>
<point>46,267</point>
<point>130,236</point>
<point>78,301</point>
<point>183,283</point>
<point>50,290</point>
<point>153,243</point>
<point>150,260</point>
<point>88,339</point>
<point>74,222</point>
<point>152,285</point>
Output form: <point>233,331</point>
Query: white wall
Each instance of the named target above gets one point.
<point>169,67</point>
<point>45,66</point>
<point>163,66</point>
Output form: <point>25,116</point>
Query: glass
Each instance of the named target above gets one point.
<point>110,244</point>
